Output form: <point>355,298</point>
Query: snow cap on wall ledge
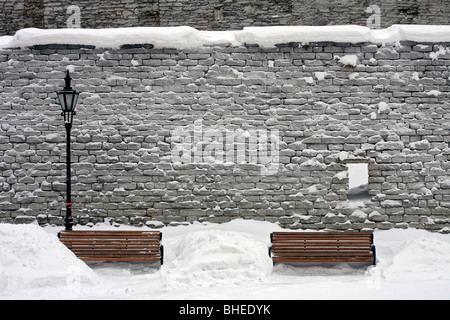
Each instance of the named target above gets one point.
<point>188,37</point>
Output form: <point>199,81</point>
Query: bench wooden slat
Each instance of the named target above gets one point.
<point>322,247</point>
<point>327,257</point>
<point>321,235</point>
<point>325,254</point>
<point>110,243</point>
<point>113,235</point>
<point>277,249</point>
<point>324,260</point>
<point>324,243</point>
<point>114,245</point>
<point>114,250</point>
<point>118,258</point>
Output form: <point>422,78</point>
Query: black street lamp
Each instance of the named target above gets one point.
<point>68,99</point>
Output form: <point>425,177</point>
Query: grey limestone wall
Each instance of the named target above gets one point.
<point>389,110</point>
<point>217,14</point>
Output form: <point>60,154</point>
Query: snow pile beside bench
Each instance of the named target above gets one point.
<point>217,257</point>
<point>423,259</point>
<point>32,258</point>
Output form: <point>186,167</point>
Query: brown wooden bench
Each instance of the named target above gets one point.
<point>322,247</point>
<point>114,245</point>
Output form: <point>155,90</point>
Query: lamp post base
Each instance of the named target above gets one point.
<point>68,221</point>
<point>68,226</point>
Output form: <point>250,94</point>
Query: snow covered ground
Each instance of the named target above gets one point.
<point>221,262</point>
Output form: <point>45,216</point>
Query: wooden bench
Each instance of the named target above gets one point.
<point>114,245</point>
<point>322,247</point>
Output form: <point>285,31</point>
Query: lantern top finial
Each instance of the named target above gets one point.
<point>67,79</point>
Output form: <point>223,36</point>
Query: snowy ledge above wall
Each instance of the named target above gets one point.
<point>187,37</point>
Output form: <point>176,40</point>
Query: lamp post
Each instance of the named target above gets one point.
<point>68,99</point>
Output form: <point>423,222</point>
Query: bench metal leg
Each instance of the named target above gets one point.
<point>374,255</point>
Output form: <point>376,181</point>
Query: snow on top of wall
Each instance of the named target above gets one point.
<point>188,37</point>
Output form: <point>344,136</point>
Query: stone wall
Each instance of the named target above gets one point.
<point>390,109</point>
<point>216,14</point>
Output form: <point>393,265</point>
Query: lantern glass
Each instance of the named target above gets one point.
<point>68,100</point>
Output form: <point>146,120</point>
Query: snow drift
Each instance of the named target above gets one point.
<point>188,37</point>
<point>31,258</point>
<point>217,257</point>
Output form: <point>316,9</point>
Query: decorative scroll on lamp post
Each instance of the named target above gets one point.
<point>68,100</point>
